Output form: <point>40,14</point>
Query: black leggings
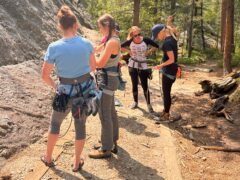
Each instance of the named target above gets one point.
<point>166,87</point>
<point>143,74</point>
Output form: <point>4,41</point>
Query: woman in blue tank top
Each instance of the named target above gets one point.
<point>73,59</point>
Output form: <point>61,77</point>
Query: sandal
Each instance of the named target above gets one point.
<point>97,146</point>
<point>79,166</point>
<point>51,164</point>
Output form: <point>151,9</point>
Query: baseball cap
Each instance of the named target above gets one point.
<point>156,29</point>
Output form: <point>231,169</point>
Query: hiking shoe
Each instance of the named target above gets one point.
<point>99,146</point>
<point>134,105</point>
<point>150,109</point>
<point>115,148</point>
<point>100,154</point>
<point>163,117</point>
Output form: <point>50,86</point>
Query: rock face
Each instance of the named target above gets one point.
<point>28,26</point>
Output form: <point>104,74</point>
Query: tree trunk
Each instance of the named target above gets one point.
<point>190,30</point>
<point>223,23</point>
<point>173,6</point>
<point>228,37</point>
<point>217,39</point>
<point>184,36</point>
<point>136,12</point>
<point>202,29</point>
<point>155,10</point>
<point>232,16</point>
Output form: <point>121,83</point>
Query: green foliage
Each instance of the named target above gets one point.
<point>235,61</point>
<point>213,54</point>
<point>157,11</point>
<point>196,58</point>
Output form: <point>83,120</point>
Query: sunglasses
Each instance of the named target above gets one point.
<point>137,35</point>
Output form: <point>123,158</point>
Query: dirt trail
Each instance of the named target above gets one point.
<point>147,151</point>
<point>143,147</point>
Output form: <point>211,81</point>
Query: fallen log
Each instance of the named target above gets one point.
<point>220,103</point>
<point>235,96</point>
<point>206,70</point>
<point>206,86</point>
<point>225,114</point>
<point>220,148</point>
<point>224,86</point>
<point>234,75</point>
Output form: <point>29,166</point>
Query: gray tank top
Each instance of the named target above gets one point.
<point>113,62</point>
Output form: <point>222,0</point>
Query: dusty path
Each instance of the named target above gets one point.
<point>147,151</point>
<point>143,148</point>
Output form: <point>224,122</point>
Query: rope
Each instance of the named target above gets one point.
<point>67,128</point>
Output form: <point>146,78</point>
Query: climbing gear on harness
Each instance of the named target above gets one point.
<point>102,76</point>
<point>77,107</point>
<point>61,99</point>
<point>85,103</point>
<point>60,102</point>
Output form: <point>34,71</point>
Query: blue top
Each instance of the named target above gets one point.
<point>71,56</point>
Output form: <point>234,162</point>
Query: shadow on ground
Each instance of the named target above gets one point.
<point>129,168</point>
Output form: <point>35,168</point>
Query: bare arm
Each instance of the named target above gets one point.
<point>111,48</point>
<point>92,62</point>
<point>46,72</point>
<point>168,62</point>
<point>98,48</point>
<point>126,50</point>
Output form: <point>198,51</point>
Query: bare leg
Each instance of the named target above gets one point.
<point>78,150</point>
<point>52,139</point>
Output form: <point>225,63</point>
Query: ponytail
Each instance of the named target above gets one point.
<point>107,20</point>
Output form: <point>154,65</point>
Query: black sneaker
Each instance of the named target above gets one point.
<point>134,105</point>
<point>150,109</point>
<point>115,149</point>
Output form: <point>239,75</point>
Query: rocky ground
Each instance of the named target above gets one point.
<point>147,151</point>
<point>144,152</point>
<point>28,26</point>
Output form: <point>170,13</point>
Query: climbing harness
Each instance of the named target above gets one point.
<point>85,102</point>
